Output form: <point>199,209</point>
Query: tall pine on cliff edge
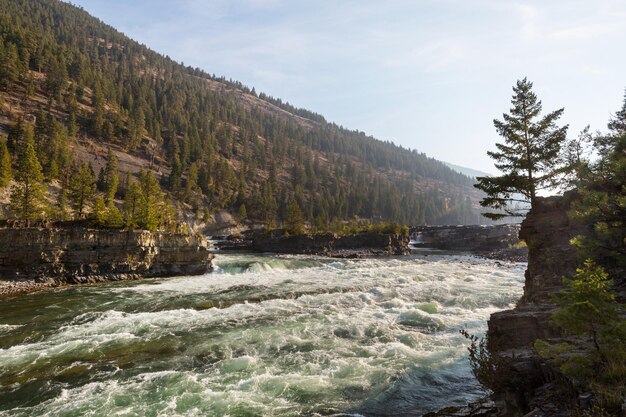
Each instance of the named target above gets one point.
<point>529,157</point>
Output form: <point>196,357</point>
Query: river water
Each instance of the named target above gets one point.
<point>262,336</point>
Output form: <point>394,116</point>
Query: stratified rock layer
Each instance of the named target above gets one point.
<point>547,230</point>
<point>466,238</point>
<point>332,244</point>
<point>69,255</point>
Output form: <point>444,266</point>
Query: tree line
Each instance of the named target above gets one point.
<point>207,149</point>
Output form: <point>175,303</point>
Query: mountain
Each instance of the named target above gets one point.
<point>92,94</point>
<point>470,172</point>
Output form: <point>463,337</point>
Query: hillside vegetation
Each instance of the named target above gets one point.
<point>103,111</point>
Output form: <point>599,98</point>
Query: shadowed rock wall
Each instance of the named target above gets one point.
<point>531,382</point>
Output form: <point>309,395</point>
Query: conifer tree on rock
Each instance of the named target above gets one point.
<point>529,158</point>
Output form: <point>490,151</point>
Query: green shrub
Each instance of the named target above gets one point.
<point>596,357</point>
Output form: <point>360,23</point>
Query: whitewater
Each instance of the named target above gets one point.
<point>263,335</point>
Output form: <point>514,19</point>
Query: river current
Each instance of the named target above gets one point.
<point>264,335</point>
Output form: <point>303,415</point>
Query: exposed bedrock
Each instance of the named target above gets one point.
<point>66,255</point>
<point>332,244</point>
<point>469,238</point>
<point>324,244</point>
<point>530,382</point>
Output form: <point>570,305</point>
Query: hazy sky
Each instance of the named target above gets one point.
<point>427,74</point>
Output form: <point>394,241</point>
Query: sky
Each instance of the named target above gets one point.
<point>429,75</point>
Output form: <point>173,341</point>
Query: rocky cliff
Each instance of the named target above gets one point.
<point>467,238</point>
<point>31,257</point>
<point>529,381</point>
<point>493,241</point>
<point>325,244</point>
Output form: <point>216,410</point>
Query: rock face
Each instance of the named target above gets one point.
<point>332,244</point>
<point>324,244</point>
<point>60,255</point>
<point>547,230</point>
<point>467,238</point>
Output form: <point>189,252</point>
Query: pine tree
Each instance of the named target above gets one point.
<point>5,164</point>
<point>111,178</point>
<point>603,198</point>
<point>62,209</point>
<point>132,202</point>
<point>99,211</point>
<point>295,220</point>
<point>28,194</point>
<point>242,213</point>
<point>82,187</point>
<point>150,203</point>
<point>529,156</point>
<point>56,78</point>
<point>9,64</point>
<point>114,217</point>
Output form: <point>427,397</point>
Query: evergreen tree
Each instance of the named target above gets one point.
<point>99,211</point>
<point>242,213</point>
<point>114,217</point>
<point>28,194</point>
<point>81,187</point>
<point>295,220</point>
<point>603,202</point>
<point>62,208</point>
<point>111,178</point>
<point>5,164</point>
<point>529,156</point>
<point>587,306</point>
<point>56,78</point>
<point>132,202</point>
<point>9,64</point>
<point>150,203</point>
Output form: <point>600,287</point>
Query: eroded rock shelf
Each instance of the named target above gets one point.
<point>32,257</point>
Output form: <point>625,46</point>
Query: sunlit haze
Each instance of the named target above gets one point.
<point>429,75</point>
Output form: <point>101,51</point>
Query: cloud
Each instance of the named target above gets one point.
<point>583,32</point>
<point>436,55</point>
<point>530,19</point>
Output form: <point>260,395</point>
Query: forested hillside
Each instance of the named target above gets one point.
<point>103,123</point>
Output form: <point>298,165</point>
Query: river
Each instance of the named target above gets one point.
<point>264,335</point>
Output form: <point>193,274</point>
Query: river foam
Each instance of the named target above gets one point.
<point>266,335</point>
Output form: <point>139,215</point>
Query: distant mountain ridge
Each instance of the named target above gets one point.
<point>213,143</point>
<point>470,172</point>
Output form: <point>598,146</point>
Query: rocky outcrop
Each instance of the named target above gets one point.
<point>324,244</point>
<point>547,231</point>
<point>529,381</point>
<point>493,241</point>
<point>52,255</point>
<point>467,238</point>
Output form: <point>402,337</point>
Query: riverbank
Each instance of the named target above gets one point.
<point>46,255</point>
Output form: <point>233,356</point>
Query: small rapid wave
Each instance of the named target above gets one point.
<point>279,336</point>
